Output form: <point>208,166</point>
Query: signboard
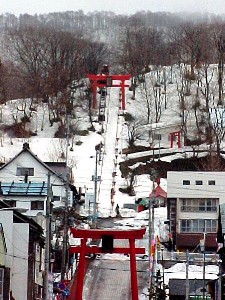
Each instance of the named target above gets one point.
<point>89,200</point>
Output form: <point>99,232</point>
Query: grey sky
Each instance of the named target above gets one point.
<point>118,6</point>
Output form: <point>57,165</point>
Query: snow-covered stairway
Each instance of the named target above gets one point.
<point>110,152</point>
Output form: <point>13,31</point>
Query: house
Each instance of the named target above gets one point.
<point>157,198</point>
<point>193,200</point>
<point>24,260</point>
<point>158,194</point>
<point>4,271</point>
<point>24,184</point>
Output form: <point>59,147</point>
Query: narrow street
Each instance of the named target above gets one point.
<point>109,279</point>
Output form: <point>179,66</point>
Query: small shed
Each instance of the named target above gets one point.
<point>159,194</point>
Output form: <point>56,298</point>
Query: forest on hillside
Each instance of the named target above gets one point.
<point>46,58</point>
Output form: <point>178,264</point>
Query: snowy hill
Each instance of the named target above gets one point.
<point>168,94</point>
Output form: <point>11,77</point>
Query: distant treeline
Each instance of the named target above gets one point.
<point>103,20</point>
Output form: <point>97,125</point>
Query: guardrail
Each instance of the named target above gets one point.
<point>193,257</point>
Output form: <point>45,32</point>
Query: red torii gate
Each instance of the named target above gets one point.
<point>107,236</point>
<point>103,80</point>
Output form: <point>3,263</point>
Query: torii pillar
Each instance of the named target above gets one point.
<point>172,138</point>
<point>103,80</point>
<point>107,236</point>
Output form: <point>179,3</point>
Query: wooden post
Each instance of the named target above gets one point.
<point>123,95</point>
<point>94,95</point>
<point>133,270</point>
<point>81,271</point>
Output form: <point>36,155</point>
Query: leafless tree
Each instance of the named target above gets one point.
<point>141,47</point>
<point>219,38</point>
<point>134,130</point>
<point>152,92</point>
<point>189,42</point>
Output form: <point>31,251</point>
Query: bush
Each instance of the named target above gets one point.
<point>82,132</point>
<point>25,119</point>
<point>61,132</point>
<point>18,130</point>
<point>128,117</point>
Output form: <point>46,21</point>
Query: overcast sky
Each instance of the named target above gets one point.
<point>118,6</point>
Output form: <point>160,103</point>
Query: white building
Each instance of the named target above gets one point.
<point>24,256</point>
<point>24,184</point>
<point>193,206</point>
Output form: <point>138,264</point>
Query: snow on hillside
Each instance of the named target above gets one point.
<point>81,151</point>
<point>82,157</point>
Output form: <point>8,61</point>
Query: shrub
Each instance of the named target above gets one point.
<point>128,117</point>
<point>18,130</point>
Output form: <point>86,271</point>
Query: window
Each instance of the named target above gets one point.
<point>198,182</point>
<point>185,225</point>
<point>56,198</point>
<point>25,171</point>
<point>11,203</point>
<point>198,225</point>
<point>198,205</point>
<point>37,205</point>
<point>40,255</point>
<point>186,182</point>
<point>1,282</point>
<point>211,182</point>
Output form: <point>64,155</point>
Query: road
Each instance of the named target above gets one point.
<point>109,279</point>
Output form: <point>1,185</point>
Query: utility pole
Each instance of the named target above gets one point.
<point>204,289</point>
<point>151,233</point>
<point>220,280</point>
<point>96,179</point>
<point>65,218</point>
<point>187,279</point>
<point>47,239</point>
<point>150,246</point>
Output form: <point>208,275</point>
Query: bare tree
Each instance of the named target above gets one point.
<point>189,43</point>
<point>152,92</point>
<point>141,47</point>
<point>219,38</point>
<point>135,131</point>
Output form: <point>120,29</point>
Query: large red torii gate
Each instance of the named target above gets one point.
<point>103,80</point>
<point>107,236</point>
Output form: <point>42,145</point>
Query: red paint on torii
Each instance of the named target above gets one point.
<point>103,80</point>
<point>84,249</point>
<point>173,135</point>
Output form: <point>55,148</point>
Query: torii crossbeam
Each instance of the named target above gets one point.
<point>107,236</point>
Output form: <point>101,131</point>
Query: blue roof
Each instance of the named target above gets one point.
<point>25,189</point>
